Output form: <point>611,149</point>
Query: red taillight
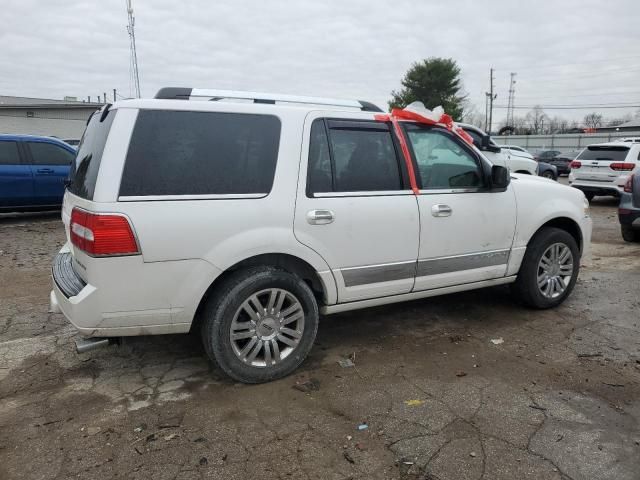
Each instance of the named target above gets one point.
<point>575,164</point>
<point>102,234</point>
<point>622,166</point>
<point>628,184</point>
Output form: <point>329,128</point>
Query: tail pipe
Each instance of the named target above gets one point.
<point>87,344</point>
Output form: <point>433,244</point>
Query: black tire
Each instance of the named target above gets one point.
<point>526,289</point>
<point>589,195</point>
<point>629,234</point>
<point>548,174</point>
<point>222,306</point>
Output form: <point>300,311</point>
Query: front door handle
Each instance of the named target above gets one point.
<point>320,217</point>
<point>440,210</point>
<point>44,171</point>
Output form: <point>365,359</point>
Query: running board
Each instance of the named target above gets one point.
<point>404,297</point>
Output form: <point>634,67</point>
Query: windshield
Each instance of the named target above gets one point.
<point>605,152</point>
<point>84,169</point>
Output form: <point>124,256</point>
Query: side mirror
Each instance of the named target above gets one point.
<point>487,146</point>
<point>500,177</point>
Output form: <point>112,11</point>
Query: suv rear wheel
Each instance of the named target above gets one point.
<point>549,269</point>
<point>629,234</point>
<point>260,324</point>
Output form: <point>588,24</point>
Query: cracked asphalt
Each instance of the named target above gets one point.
<point>559,398</point>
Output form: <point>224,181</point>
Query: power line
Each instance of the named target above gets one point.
<point>569,107</point>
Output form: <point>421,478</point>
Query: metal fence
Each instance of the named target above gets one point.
<point>562,142</point>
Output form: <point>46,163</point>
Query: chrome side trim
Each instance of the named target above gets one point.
<point>374,302</point>
<point>435,191</point>
<point>389,193</point>
<point>436,266</point>
<point>354,276</point>
<point>154,198</point>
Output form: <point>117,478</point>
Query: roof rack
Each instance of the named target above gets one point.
<point>177,93</point>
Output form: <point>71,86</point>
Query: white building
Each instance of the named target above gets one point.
<point>64,119</point>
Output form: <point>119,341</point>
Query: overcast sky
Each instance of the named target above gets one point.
<point>564,52</point>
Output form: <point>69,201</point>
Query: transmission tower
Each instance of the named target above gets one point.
<point>511,104</point>
<point>133,65</point>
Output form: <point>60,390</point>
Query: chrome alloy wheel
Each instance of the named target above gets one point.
<point>555,270</point>
<point>267,327</point>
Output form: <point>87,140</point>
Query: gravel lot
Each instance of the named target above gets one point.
<point>559,399</point>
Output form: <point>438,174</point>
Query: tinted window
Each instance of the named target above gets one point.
<point>319,169</point>
<point>200,153</point>
<point>364,160</point>
<point>442,162</point>
<point>49,154</point>
<point>84,171</point>
<point>9,153</point>
<point>610,153</point>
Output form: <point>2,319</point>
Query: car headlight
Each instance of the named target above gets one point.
<point>586,207</point>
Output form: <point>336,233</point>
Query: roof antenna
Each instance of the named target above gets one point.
<point>135,77</point>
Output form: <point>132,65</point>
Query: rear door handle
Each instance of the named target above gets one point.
<point>320,217</point>
<point>440,210</point>
<point>44,171</point>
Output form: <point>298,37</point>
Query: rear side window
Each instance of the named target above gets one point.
<point>201,153</point>
<point>49,154</point>
<point>84,170</point>
<point>608,153</point>
<point>9,153</point>
<point>352,156</point>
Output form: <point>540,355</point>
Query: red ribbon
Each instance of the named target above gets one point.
<point>444,121</point>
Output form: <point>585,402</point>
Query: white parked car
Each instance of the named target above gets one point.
<point>247,220</point>
<point>630,140</point>
<point>516,163</point>
<point>517,151</point>
<point>603,169</point>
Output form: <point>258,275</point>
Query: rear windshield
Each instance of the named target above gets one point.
<point>201,153</point>
<point>609,153</point>
<point>84,169</point>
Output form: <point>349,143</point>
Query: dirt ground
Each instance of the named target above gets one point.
<point>558,399</point>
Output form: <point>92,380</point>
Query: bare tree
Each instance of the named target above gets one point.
<point>593,120</point>
<point>472,116</point>
<point>537,120</point>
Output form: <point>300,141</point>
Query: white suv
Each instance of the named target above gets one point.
<point>247,220</point>
<point>604,168</point>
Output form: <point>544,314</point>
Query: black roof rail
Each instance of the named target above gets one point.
<point>369,107</point>
<point>174,93</point>
<point>179,93</point>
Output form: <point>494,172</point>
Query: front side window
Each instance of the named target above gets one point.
<point>201,153</point>
<point>49,154</point>
<point>442,162</point>
<point>9,153</point>
<point>352,156</point>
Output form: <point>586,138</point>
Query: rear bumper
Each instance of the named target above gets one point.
<point>613,186</point>
<point>597,188</point>
<point>148,300</point>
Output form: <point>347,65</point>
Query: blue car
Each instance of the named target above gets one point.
<point>33,171</point>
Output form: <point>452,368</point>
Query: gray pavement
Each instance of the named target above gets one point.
<point>558,399</point>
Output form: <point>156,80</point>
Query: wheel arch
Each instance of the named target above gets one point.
<point>568,225</point>
<point>290,263</point>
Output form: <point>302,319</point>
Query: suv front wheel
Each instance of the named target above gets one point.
<point>260,324</point>
<point>549,269</point>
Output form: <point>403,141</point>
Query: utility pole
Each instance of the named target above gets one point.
<point>486,110</point>
<point>135,77</point>
<point>114,94</point>
<point>511,103</point>
<point>491,99</point>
